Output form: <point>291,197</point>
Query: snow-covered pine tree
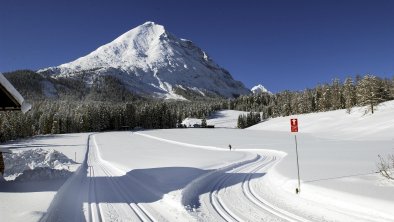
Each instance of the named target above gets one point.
<point>241,121</point>
<point>306,103</point>
<point>55,124</point>
<point>349,94</point>
<point>326,98</point>
<point>204,122</point>
<point>336,94</point>
<point>369,92</point>
<point>5,131</point>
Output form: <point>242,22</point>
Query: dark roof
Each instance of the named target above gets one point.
<point>10,98</point>
<point>7,102</point>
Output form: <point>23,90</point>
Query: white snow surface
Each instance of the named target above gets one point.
<point>259,89</point>
<point>28,198</point>
<point>150,60</point>
<point>191,175</point>
<point>358,125</point>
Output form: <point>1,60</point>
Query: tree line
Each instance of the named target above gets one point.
<point>368,90</point>
<point>116,110</point>
<point>249,119</point>
<point>72,107</point>
<point>54,117</point>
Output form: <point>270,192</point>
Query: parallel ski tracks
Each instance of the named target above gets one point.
<point>251,194</point>
<point>135,210</point>
<point>249,169</point>
<point>218,189</point>
<point>217,203</point>
<point>95,212</point>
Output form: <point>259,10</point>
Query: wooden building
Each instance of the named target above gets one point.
<point>10,100</point>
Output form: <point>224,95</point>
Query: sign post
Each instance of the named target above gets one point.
<point>294,129</point>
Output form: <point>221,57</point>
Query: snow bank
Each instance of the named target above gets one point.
<point>42,173</point>
<point>189,122</point>
<point>36,164</point>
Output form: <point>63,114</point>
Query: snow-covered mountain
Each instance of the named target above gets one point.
<point>259,89</point>
<point>149,60</point>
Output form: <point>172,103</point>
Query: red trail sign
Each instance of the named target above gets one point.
<point>294,129</point>
<point>294,125</point>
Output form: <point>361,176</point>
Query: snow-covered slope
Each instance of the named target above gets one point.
<point>338,124</point>
<point>150,60</point>
<point>259,89</point>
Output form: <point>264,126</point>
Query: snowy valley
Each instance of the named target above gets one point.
<point>191,175</point>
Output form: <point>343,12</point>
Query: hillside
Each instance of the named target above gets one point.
<point>338,124</point>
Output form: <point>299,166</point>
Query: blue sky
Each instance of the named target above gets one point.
<point>283,44</point>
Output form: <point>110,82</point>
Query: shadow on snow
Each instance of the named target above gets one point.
<point>136,186</point>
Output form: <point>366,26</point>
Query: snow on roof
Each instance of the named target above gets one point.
<point>16,96</point>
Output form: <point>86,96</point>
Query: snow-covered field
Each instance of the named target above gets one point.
<point>191,175</point>
<point>28,201</point>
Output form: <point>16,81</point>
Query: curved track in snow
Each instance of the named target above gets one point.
<point>223,192</point>
<point>252,195</point>
<point>221,197</point>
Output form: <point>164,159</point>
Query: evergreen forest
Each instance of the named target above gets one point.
<point>68,106</point>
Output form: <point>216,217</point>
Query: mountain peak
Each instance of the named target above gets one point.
<point>150,25</point>
<point>259,89</point>
<point>147,23</point>
<point>147,31</point>
<point>151,60</point>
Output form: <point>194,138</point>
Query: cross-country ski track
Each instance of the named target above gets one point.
<point>95,192</point>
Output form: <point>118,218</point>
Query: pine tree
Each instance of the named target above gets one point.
<point>5,130</point>
<point>55,125</point>
<point>204,122</point>
<point>241,121</point>
<point>349,94</point>
<point>369,92</point>
<point>336,94</point>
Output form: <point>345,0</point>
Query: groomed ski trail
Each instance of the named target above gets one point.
<point>220,198</point>
<point>99,168</point>
<point>85,196</point>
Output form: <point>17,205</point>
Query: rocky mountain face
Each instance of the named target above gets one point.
<point>150,61</point>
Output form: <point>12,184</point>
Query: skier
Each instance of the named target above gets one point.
<point>229,146</point>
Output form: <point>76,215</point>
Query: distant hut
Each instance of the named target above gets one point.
<point>10,100</point>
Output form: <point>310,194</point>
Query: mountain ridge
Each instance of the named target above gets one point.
<point>149,60</point>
